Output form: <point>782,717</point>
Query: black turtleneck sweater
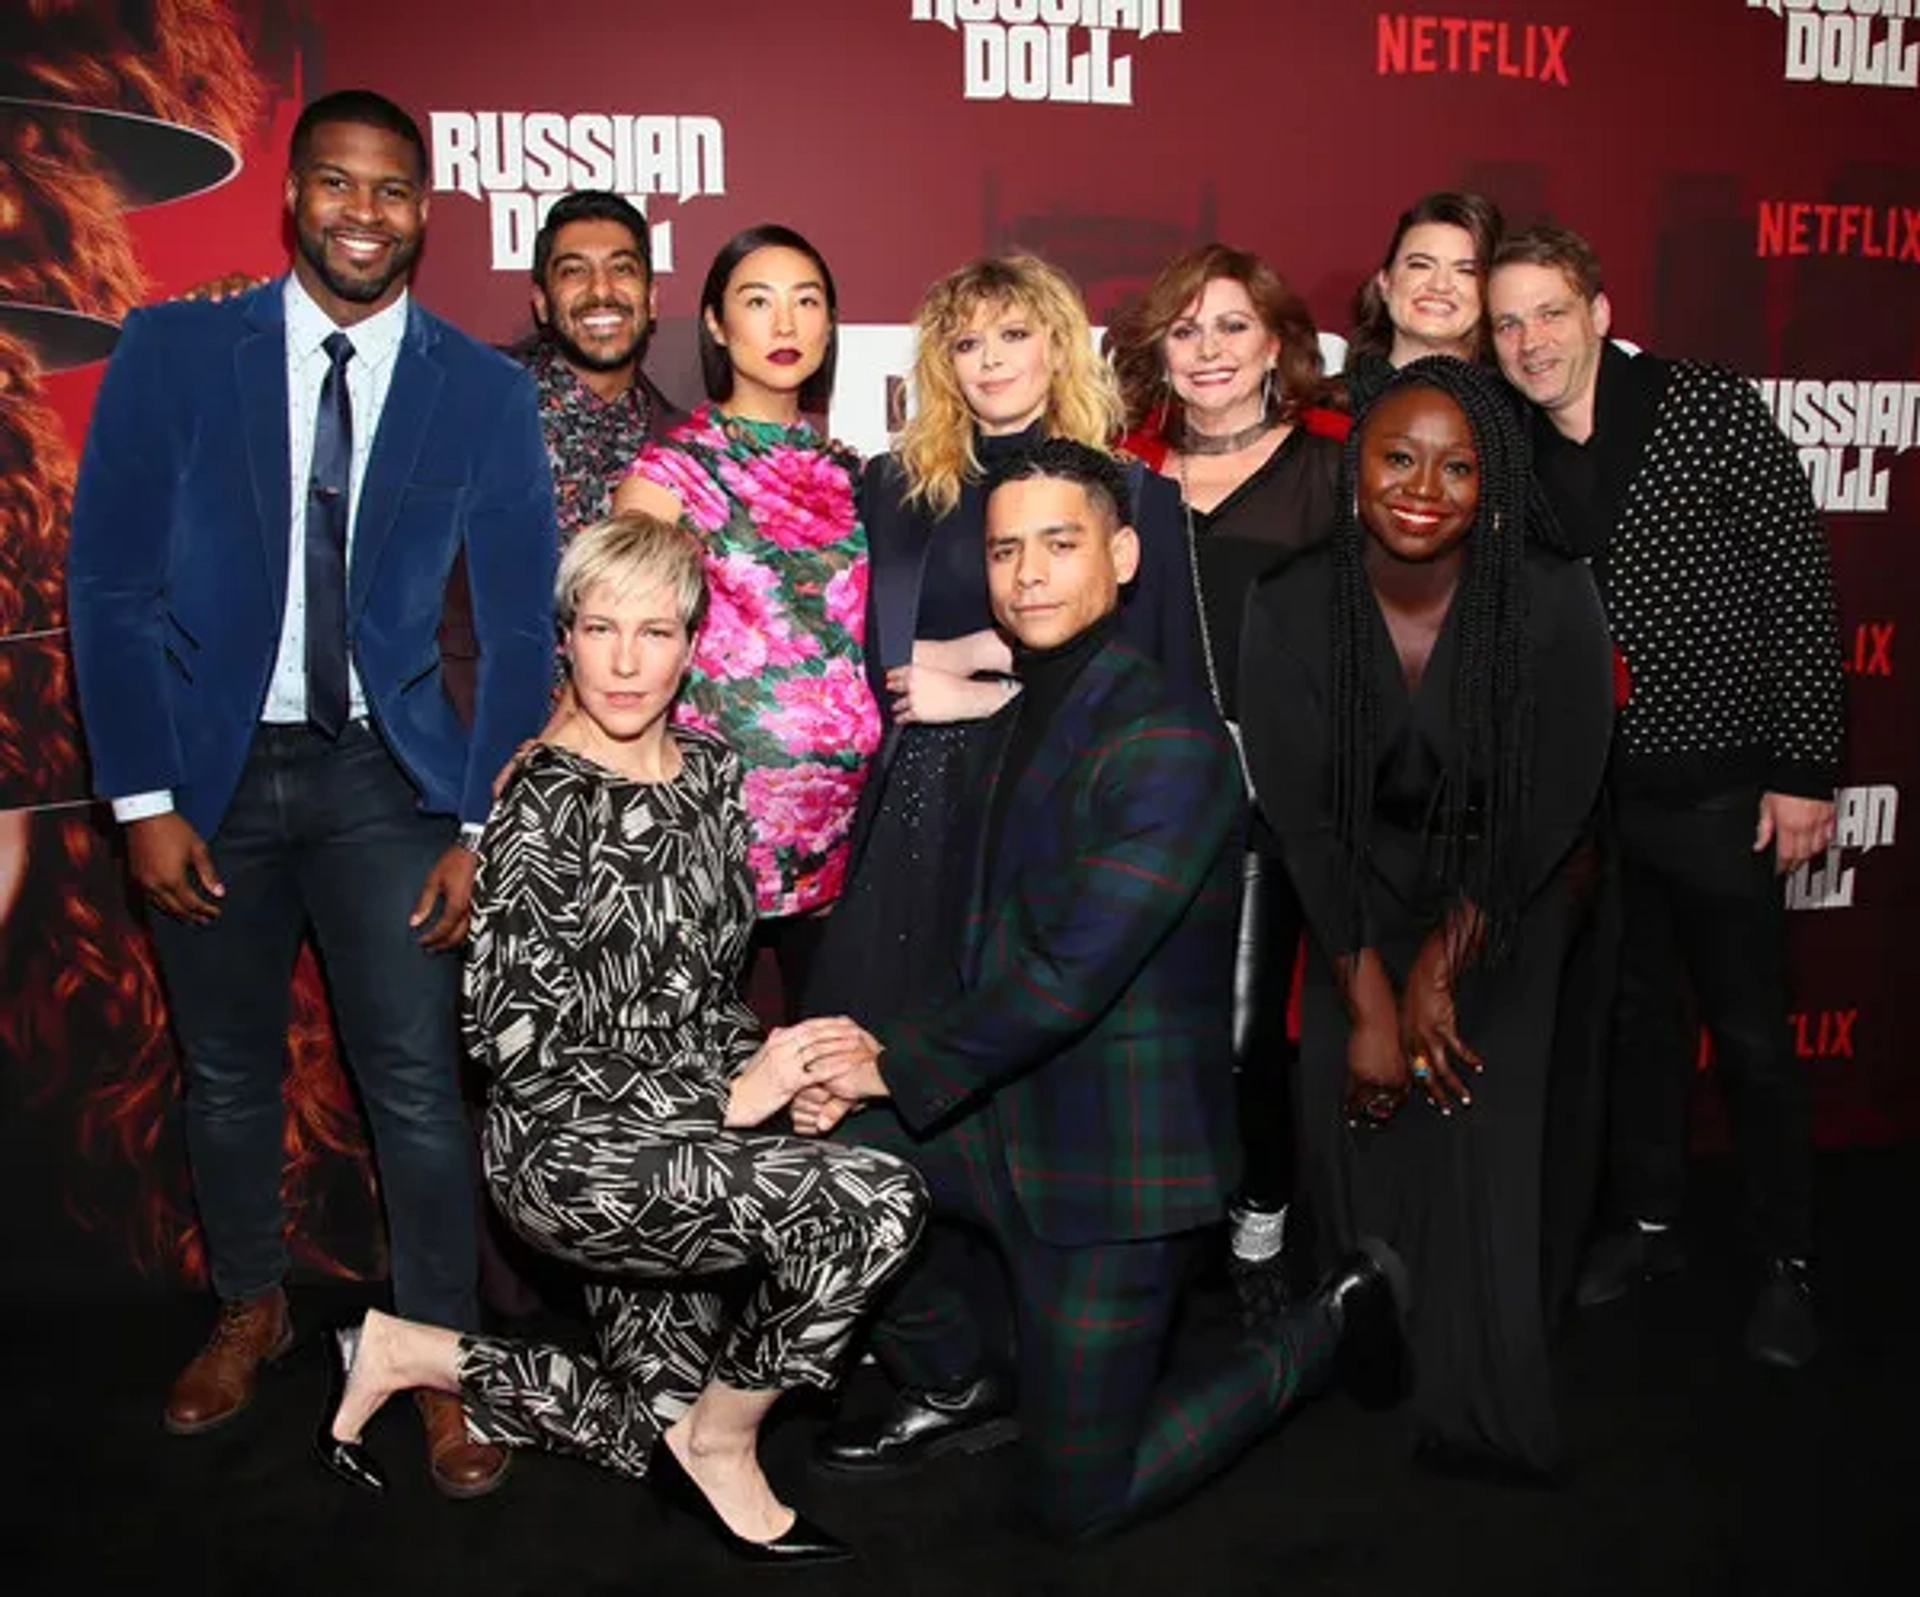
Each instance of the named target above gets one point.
<point>1046,677</point>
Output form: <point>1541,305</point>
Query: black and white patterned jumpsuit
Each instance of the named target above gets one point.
<point>610,920</point>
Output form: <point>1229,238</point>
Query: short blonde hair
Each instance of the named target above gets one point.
<point>628,552</point>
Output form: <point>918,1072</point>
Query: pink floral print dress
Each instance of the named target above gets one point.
<point>777,668</point>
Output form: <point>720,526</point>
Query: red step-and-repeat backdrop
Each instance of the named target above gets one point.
<point>1746,168</point>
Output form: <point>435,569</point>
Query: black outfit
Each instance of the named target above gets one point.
<point>1709,552</point>
<point>1287,505</point>
<point>892,942</point>
<point>1458,1196</point>
<point>611,918</point>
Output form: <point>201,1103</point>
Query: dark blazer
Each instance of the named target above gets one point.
<point>1092,1036</point>
<point>177,576</point>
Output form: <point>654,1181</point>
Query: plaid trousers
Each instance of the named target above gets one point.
<point>1107,1433</point>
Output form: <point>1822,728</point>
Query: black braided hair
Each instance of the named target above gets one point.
<point>1476,828</point>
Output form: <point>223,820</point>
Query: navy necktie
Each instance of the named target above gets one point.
<point>329,493</point>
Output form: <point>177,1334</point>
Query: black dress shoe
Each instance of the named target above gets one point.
<point>1782,1330</point>
<point>1626,1259</point>
<point>349,1460</point>
<point>921,1424</point>
<point>1368,1296</point>
<point>802,1542</point>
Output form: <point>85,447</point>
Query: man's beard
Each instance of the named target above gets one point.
<point>587,360</point>
<point>356,290</point>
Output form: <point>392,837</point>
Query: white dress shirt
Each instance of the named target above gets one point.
<point>376,344</point>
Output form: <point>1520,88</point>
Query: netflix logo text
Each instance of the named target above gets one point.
<point>1411,43</point>
<point>1819,227</point>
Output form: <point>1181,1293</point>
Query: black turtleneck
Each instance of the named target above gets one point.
<point>953,590</point>
<point>1046,677</point>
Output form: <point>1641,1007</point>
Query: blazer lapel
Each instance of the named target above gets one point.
<point>260,372</point>
<point>404,420</point>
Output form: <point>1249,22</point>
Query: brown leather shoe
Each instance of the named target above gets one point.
<point>460,1466</point>
<point>218,1384</point>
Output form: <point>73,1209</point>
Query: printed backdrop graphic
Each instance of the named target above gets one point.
<point>1744,167</point>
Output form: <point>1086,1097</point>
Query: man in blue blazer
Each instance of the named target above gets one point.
<point>272,496</point>
<point>1075,1100</point>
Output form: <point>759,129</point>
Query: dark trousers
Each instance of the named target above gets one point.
<point>325,836</point>
<point>1107,1433</point>
<point>794,941</point>
<point>1699,901</point>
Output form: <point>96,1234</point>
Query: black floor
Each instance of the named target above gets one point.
<point>1694,1472</point>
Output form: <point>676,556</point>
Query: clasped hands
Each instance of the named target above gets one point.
<point>818,1070</point>
<point>1396,1047</point>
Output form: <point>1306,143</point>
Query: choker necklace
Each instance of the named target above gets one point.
<point>1193,443</point>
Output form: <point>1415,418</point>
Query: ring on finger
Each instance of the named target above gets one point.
<point>1421,1069</point>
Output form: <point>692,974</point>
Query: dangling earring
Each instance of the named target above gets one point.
<point>1266,395</point>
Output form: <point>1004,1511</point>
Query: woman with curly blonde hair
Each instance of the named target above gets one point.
<point>1004,357</point>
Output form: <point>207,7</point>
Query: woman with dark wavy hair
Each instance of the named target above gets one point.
<point>1429,295</point>
<point>1220,365</point>
<point>1435,712</point>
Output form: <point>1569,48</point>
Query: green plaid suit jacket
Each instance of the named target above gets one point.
<point>1090,1046</point>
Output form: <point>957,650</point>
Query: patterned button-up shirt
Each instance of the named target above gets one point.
<point>590,441</point>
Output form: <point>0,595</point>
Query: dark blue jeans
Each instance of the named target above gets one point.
<point>325,836</point>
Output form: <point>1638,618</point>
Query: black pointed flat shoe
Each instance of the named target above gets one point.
<point>802,1542</point>
<point>349,1460</point>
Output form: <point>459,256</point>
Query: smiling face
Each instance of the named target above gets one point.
<point>597,298</point>
<point>1419,480</point>
<point>1218,353</point>
<point>1004,365</point>
<point>1548,337</point>
<point>1432,293</point>
<point>628,651</point>
<point>1055,560</point>
<point>359,212</point>
<point>774,324</point>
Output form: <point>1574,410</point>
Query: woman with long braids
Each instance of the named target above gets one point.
<point>1003,357</point>
<point>1434,709</point>
<point>1219,364</point>
<point>1429,295</point>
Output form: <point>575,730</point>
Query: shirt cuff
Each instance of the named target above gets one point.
<point>143,806</point>
<point>470,835</point>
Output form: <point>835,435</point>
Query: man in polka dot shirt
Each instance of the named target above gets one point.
<point>1702,530</point>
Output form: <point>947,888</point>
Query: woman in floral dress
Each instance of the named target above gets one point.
<point>777,671</point>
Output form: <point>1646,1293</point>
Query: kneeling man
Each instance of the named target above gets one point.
<point>1075,1100</point>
